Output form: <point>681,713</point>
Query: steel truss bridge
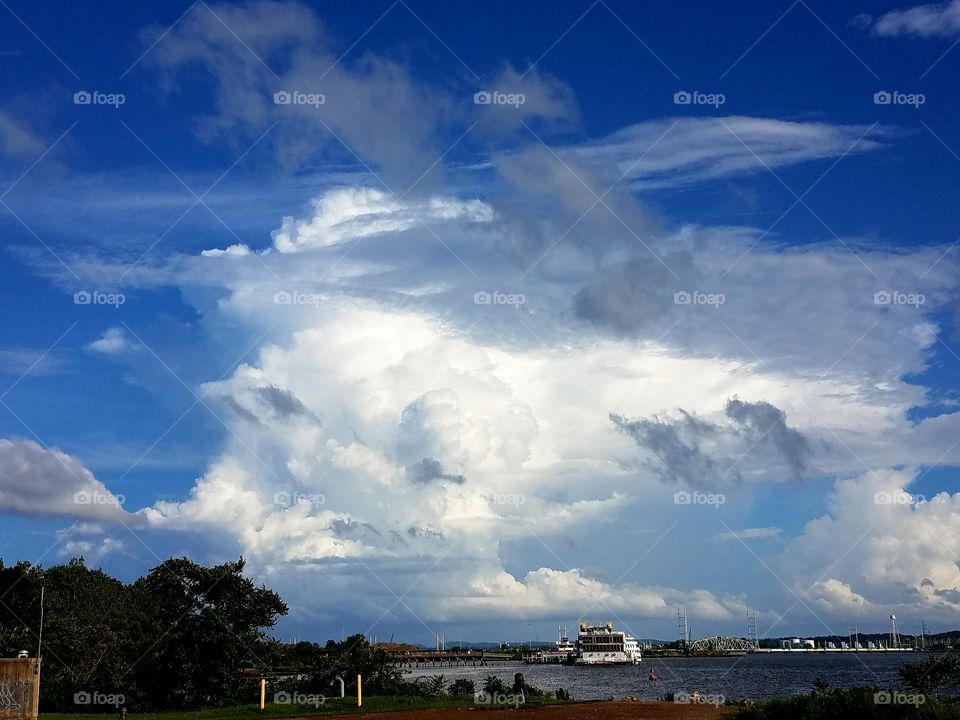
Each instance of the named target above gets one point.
<point>722,644</point>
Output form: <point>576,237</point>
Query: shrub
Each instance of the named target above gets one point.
<point>462,687</point>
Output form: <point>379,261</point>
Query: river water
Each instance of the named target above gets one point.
<point>733,678</point>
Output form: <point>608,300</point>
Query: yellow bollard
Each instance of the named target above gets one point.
<point>359,691</point>
<point>263,693</point>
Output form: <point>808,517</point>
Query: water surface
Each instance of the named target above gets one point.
<point>749,676</point>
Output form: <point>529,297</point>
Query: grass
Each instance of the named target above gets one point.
<point>332,706</point>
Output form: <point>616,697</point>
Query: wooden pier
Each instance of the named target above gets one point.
<point>448,658</point>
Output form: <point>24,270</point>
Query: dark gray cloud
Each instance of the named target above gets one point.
<point>676,443</point>
<point>271,402</point>
<point>430,470</point>
<point>424,532</point>
<point>348,529</point>
<point>636,296</point>
<point>240,410</point>
<point>765,423</point>
<point>697,453</point>
<point>283,402</point>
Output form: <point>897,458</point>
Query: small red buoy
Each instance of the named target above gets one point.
<point>653,674</point>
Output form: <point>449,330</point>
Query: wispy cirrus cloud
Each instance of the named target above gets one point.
<point>929,20</point>
<point>679,151</point>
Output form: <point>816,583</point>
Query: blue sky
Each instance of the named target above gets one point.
<point>440,366</point>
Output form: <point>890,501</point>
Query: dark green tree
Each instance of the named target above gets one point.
<point>355,656</point>
<point>461,687</point>
<point>935,673</point>
<point>207,624</point>
<point>19,608</point>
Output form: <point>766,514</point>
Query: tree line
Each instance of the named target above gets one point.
<point>179,637</point>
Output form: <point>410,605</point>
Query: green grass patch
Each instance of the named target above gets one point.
<point>332,706</point>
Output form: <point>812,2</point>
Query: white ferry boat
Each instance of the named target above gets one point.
<point>602,645</point>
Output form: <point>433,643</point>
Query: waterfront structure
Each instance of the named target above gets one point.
<point>560,653</point>
<point>602,645</point>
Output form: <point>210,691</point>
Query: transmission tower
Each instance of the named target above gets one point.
<point>752,629</point>
<point>683,627</point>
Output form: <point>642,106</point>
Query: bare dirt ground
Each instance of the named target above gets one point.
<point>575,711</point>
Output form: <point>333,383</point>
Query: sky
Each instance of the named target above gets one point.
<point>481,319</point>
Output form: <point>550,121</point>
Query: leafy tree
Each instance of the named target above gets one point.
<point>355,656</point>
<point>19,608</point>
<point>935,673</point>
<point>820,687</point>
<point>92,629</point>
<point>434,686</point>
<point>207,623</point>
<point>492,685</point>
